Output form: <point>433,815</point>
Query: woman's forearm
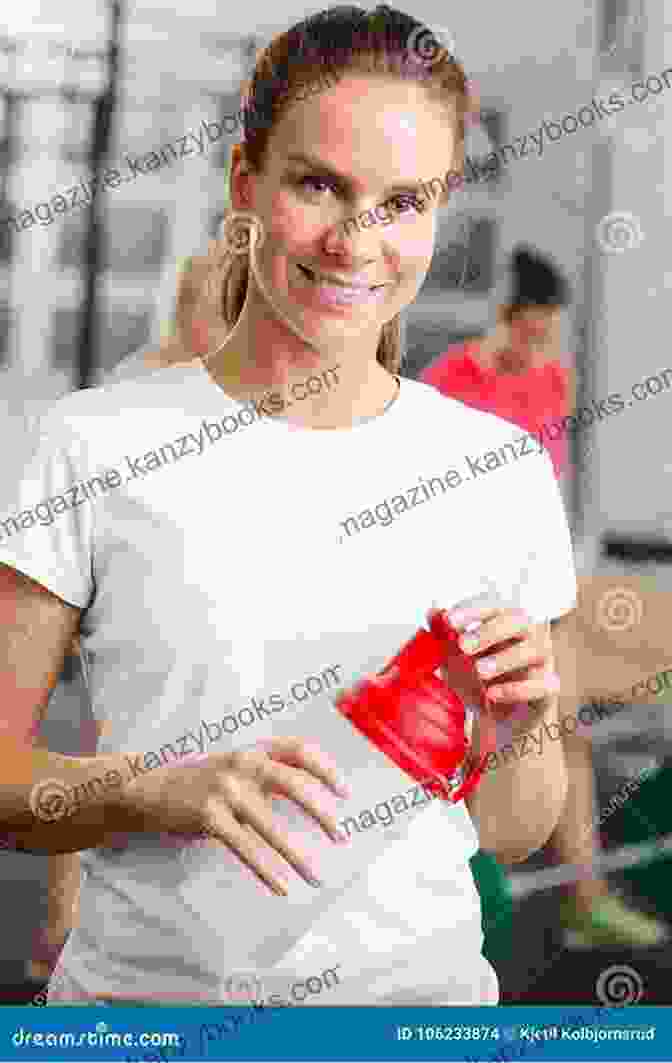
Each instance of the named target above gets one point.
<point>63,878</point>
<point>50,803</point>
<point>63,883</point>
<point>521,796</point>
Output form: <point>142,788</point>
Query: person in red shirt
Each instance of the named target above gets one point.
<point>520,373</point>
<point>517,371</point>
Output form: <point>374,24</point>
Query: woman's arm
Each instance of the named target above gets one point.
<point>517,804</point>
<point>571,389</point>
<point>63,888</point>
<point>37,629</point>
<point>520,798</point>
<point>55,804</point>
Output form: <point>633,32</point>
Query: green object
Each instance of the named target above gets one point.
<point>496,906</point>
<point>610,922</point>
<point>648,816</point>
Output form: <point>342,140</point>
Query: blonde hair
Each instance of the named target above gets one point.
<point>192,272</point>
<point>334,42</point>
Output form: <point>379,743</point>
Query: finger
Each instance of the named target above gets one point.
<point>258,817</point>
<point>505,626</point>
<point>237,838</point>
<point>463,618</point>
<point>522,656</point>
<point>311,758</point>
<point>531,689</point>
<point>479,608</point>
<point>289,783</point>
<point>272,859</point>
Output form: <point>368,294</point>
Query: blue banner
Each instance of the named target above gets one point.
<point>471,1035</point>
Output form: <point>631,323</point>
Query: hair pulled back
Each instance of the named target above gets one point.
<point>338,41</point>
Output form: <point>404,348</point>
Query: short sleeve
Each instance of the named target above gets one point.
<point>47,508</point>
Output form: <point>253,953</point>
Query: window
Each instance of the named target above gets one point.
<point>622,37</point>
<point>134,240</point>
<point>465,262</point>
<point>78,132</point>
<point>7,230</point>
<point>5,328</point>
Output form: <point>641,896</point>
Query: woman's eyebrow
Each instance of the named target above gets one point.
<point>317,164</point>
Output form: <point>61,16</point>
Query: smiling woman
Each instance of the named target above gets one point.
<point>221,580</point>
<point>305,192</point>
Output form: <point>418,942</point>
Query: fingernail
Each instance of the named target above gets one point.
<point>486,667</point>
<point>312,881</point>
<point>462,617</point>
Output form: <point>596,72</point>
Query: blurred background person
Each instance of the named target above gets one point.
<point>186,335</point>
<point>520,373</point>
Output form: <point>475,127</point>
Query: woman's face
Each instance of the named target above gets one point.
<point>356,151</point>
<point>537,328</point>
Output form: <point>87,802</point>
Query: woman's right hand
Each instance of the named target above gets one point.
<point>226,797</point>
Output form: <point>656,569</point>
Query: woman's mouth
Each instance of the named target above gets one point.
<point>335,292</point>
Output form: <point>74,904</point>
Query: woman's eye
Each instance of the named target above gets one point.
<point>312,183</point>
<point>405,201</point>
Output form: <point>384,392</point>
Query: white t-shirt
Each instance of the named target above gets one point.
<point>134,364</point>
<point>233,591</point>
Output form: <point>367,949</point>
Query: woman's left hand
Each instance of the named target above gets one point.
<point>513,657</point>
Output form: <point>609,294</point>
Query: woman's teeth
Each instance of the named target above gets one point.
<point>315,279</point>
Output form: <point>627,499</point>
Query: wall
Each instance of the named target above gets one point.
<point>628,490</point>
